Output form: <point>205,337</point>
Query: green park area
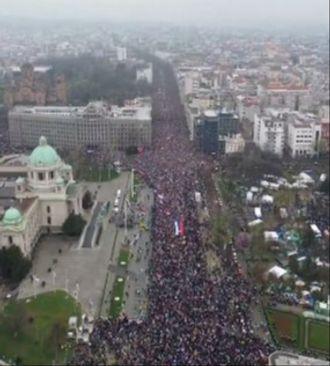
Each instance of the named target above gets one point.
<point>33,331</point>
<point>118,288</point>
<point>124,257</point>
<point>117,297</point>
<point>97,175</point>
<point>295,330</point>
<point>284,326</point>
<point>318,336</point>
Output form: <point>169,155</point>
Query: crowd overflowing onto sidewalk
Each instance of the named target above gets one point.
<point>192,318</point>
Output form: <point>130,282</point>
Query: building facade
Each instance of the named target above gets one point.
<point>299,134</point>
<point>35,86</point>
<point>304,135</point>
<point>40,202</point>
<point>214,129</point>
<point>269,132</point>
<point>75,127</point>
<point>277,95</point>
<point>145,73</point>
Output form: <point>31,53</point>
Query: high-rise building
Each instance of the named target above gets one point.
<point>269,132</point>
<point>145,73</point>
<point>304,135</point>
<point>213,130</point>
<point>121,54</point>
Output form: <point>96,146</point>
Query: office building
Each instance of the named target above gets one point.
<point>269,131</point>
<point>96,125</point>
<point>214,129</point>
<point>304,134</point>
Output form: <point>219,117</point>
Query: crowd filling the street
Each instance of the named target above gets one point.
<point>193,318</point>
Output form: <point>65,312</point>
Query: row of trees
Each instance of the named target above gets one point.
<point>90,78</point>
<point>253,163</point>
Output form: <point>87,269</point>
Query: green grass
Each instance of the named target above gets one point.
<point>285,326</point>
<point>124,256</point>
<point>2,92</point>
<point>32,330</point>
<point>318,336</point>
<point>117,291</point>
<point>97,175</point>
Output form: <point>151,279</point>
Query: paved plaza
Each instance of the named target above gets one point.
<point>88,273</point>
<point>81,271</point>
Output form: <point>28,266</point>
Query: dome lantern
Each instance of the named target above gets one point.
<point>44,155</point>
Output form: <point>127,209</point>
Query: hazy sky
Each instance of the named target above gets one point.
<point>221,12</point>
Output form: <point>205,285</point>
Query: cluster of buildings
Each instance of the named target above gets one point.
<point>277,89</point>
<point>299,134</point>
<point>57,40</point>
<point>34,85</point>
<point>213,124</point>
<point>95,125</point>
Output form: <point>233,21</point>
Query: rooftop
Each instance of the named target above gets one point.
<point>138,110</point>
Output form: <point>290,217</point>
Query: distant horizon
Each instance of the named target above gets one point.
<point>38,21</point>
<point>223,13</point>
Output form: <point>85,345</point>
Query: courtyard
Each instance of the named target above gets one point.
<point>89,274</point>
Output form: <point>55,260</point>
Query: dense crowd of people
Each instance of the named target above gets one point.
<point>194,318</point>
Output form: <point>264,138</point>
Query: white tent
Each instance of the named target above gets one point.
<point>300,283</point>
<point>264,184</point>
<point>249,196</point>
<point>254,189</point>
<point>198,197</point>
<point>271,236</point>
<point>255,222</point>
<point>306,178</point>
<point>257,212</point>
<point>283,213</point>
<point>316,230</point>
<point>274,186</point>
<point>266,198</point>
<point>323,177</point>
<point>277,271</point>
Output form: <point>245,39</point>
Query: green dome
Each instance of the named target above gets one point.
<point>44,155</point>
<point>12,217</point>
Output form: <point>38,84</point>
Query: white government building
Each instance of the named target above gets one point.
<point>42,201</point>
<point>95,125</point>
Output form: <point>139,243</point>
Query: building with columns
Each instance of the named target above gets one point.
<point>39,202</point>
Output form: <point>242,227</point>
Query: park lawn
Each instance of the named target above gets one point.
<point>124,256</point>
<point>117,291</point>
<point>318,336</point>
<point>97,175</point>
<point>31,330</point>
<point>285,326</point>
